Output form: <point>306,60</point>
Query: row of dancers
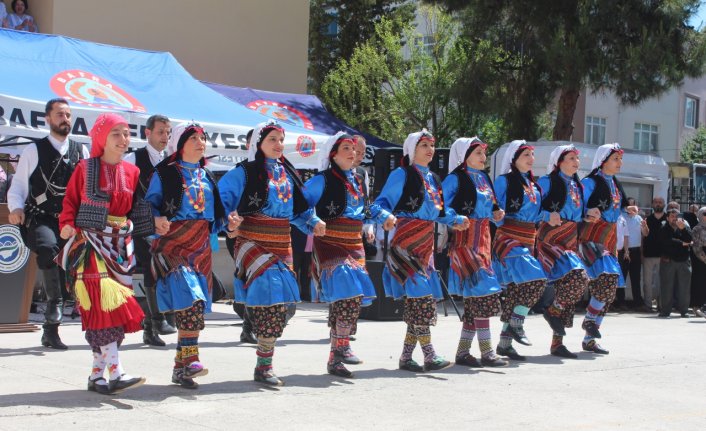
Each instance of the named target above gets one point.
<point>557,229</point>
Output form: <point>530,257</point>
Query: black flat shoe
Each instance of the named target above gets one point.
<point>518,334</point>
<point>268,377</point>
<point>438,363</point>
<point>98,385</point>
<point>562,352</point>
<point>338,369</point>
<point>591,328</point>
<point>594,347</point>
<point>468,360</point>
<point>124,383</point>
<point>178,378</point>
<point>510,352</point>
<point>411,365</point>
<point>494,361</point>
<point>555,323</point>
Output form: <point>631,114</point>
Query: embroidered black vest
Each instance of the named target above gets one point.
<point>57,170</point>
<point>334,198</point>
<point>515,193</point>
<point>556,198</point>
<point>464,203</point>
<point>173,190</point>
<point>144,164</point>
<point>257,189</point>
<point>413,192</point>
<point>601,197</point>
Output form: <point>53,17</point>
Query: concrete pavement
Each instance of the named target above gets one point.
<point>653,379</point>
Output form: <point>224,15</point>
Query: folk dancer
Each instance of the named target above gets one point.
<point>468,191</point>
<point>265,196</point>
<point>513,249</point>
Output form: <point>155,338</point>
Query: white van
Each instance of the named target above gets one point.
<point>643,175</point>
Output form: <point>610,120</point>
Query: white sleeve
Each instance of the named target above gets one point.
<point>19,189</point>
<point>85,151</point>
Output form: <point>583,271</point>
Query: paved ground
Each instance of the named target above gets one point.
<point>653,379</point>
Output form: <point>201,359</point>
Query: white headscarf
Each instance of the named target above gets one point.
<point>174,138</point>
<point>457,153</point>
<point>603,152</point>
<point>254,140</point>
<point>506,165</point>
<point>325,150</point>
<point>410,144</point>
<point>554,156</point>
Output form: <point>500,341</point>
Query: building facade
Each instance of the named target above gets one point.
<point>248,43</point>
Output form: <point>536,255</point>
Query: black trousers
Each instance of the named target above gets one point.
<point>42,237</point>
<point>144,258</point>
<point>635,270</point>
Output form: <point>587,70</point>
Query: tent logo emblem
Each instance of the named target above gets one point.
<point>281,113</point>
<point>13,253</point>
<point>306,146</point>
<point>91,90</point>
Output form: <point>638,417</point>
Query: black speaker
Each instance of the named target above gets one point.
<point>388,159</point>
<point>382,308</point>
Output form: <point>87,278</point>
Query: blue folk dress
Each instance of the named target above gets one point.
<point>416,286</point>
<point>482,282</point>
<point>607,264</point>
<point>181,288</point>
<point>571,211</point>
<point>520,265</point>
<point>277,285</point>
<point>344,282</point>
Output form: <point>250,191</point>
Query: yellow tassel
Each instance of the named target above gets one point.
<point>82,294</point>
<point>113,294</point>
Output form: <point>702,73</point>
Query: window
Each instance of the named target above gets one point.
<point>426,43</point>
<point>646,137</point>
<point>595,130</point>
<point>691,112</point>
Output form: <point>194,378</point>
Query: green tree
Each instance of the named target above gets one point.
<point>397,83</point>
<point>336,27</point>
<point>637,49</point>
<point>694,150</point>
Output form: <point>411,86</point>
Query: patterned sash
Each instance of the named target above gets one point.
<point>342,245</point>
<point>470,249</point>
<point>555,241</point>
<point>596,240</point>
<point>513,233</point>
<point>262,241</point>
<point>187,244</point>
<point>411,249</point>
<point>114,261</point>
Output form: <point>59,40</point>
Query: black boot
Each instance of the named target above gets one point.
<point>55,302</point>
<point>50,337</point>
<point>247,335</point>
<point>150,335</point>
<point>158,321</point>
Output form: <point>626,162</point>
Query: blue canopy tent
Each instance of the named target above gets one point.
<point>96,78</point>
<point>301,110</point>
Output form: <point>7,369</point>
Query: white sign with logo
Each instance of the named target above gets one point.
<point>13,253</point>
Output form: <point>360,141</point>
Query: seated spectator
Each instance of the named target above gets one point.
<point>3,13</point>
<point>18,19</point>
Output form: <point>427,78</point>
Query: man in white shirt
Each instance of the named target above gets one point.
<point>637,229</point>
<point>157,132</point>
<point>621,246</point>
<point>35,201</point>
